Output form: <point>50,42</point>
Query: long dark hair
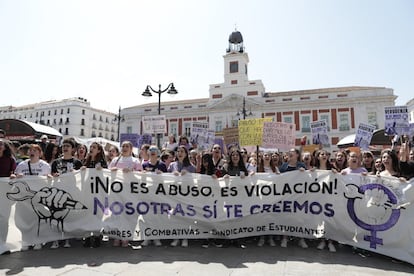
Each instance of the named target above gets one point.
<point>210,170</point>
<point>317,162</point>
<point>240,166</point>
<point>100,157</point>
<point>186,160</point>
<point>394,159</point>
<point>48,154</point>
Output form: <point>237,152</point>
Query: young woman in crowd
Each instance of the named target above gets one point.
<point>235,167</point>
<point>322,163</point>
<point>267,166</point>
<point>112,153</point>
<point>293,163</point>
<point>390,164</point>
<point>340,161</point>
<point>52,152</point>
<point>143,153</point>
<point>377,166</point>
<point>127,163</point>
<point>207,167</point>
<point>354,164</point>
<point>95,159</point>
<point>34,165</point>
<point>171,144</point>
<point>307,160</point>
<point>182,165</point>
<point>81,152</point>
<point>368,161</point>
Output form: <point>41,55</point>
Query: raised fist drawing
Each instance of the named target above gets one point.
<point>49,203</point>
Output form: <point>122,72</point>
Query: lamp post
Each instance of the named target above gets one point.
<point>170,89</point>
<point>244,111</point>
<point>118,118</point>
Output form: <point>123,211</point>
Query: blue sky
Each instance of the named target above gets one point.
<point>108,51</point>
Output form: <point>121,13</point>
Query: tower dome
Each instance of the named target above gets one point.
<point>235,42</point>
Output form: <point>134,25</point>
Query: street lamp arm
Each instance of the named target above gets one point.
<point>159,91</point>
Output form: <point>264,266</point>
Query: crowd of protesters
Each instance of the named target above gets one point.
<point>182,157</point>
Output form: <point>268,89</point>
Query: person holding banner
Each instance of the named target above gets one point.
<point>7,167</point>
<point>217,158</point>
<point>292,164</point>
<point>267,166</point>
<point>95,159</point>
<point>65,164</point>
<point>322,163</point>
<point>181,166</point>
<point>368,160</point>
<point>390,164</point>
<point>377,167</point>
<point>235,167</point>
<point>340,162</point>
<point>354,164</point>
<point>32,166</point>
<point>127,163</point>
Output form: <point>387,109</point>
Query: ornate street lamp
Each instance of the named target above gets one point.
<point>118,118</point>
<point>170,89</point>
<point>244,112</point>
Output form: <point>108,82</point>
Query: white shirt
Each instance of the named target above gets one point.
<point>39,168</point>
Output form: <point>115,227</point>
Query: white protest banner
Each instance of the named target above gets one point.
<point>201,135</point>
<point>396,120</point>
<point>364,211</point>
<point>154,124</point>
<point>319,130</point>
<point>364,135</point>
<point>278,135</point>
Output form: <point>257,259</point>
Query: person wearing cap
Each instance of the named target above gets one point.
<point>43,143</point>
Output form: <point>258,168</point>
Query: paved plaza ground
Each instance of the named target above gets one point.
<point>199,261</point>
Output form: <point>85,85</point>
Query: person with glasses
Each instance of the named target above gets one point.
<point>65,164</point>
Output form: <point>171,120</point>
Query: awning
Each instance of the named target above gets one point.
<point>24,130</point>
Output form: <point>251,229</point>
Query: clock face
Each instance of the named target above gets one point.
<point>234,67</point>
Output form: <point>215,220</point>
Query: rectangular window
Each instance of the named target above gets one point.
<point>173,128</point>
<point>288,119</point>
<point>372,118</point>
<point>305,123</point>
<point>187,129</point>
<point>344,122</point>
<point>234,67</point>
<point>129,129</point>
<point>219,126</point>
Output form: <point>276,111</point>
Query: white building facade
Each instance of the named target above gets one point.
<point>238,97</point>
<point>71,117</point>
